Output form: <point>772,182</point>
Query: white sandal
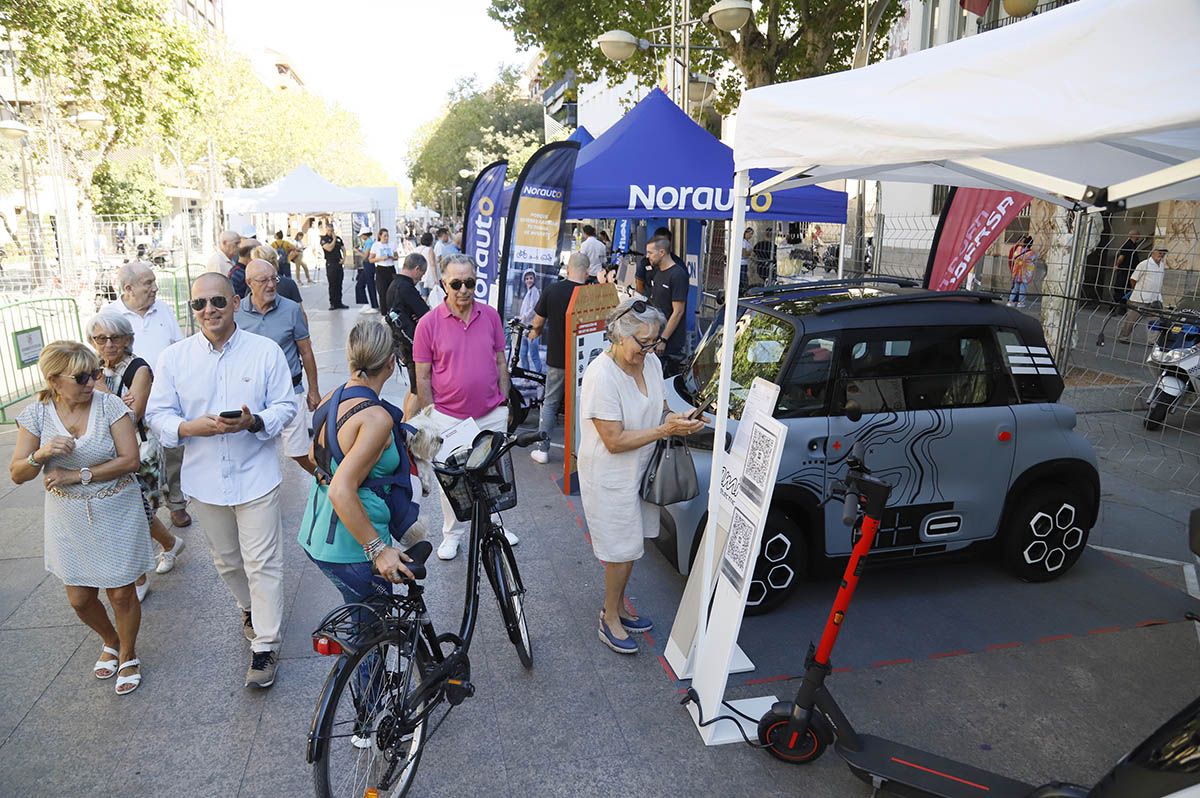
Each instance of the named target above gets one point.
<point>106,664</point>
<point>135,679</point>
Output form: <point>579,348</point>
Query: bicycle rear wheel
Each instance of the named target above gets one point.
<point>502,571</point>
<point>367,742</point>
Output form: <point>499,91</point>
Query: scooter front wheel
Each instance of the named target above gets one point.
<point>787,746</point>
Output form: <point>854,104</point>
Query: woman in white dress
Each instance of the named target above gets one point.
<point>622,415</point>
<point>83,445</point>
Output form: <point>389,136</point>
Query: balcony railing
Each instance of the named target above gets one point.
<point>984,27</point>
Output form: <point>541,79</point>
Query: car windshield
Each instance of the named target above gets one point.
<point>761,344</point>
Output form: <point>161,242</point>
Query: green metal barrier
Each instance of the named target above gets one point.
<point>174,288</point>
<point>25,328</point>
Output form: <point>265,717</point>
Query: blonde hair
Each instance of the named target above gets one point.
<point>61,358</point>
<point>263,252</point>
<point>369,347</point>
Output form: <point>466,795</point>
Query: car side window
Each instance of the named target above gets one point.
<point>804,391</point>
<point>924,368</point>
<point>1033,383</point>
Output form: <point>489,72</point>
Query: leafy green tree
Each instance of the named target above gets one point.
<point>784,39</point>
<point>478,126</point>
<point>131,190</point>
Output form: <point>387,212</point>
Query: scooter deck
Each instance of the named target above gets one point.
<point>902,770</point>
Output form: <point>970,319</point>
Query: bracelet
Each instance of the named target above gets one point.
<point>374,548</point>
<point>30,459</point>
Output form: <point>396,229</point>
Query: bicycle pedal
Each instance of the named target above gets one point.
<point>458,690</point>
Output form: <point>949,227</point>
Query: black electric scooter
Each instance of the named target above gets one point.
<point>1165,764</point>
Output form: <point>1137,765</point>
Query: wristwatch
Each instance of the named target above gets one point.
<point>30,459</point>
<point>85,476</point>
<point>257,424</point>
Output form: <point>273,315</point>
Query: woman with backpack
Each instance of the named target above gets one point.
<point>129,379</point>
<point>361,500</point>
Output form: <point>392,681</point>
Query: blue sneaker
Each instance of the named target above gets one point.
<point>626,646</point>
<point>637,625</point>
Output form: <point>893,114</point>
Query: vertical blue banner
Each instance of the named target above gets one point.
<point>622,238</point>
<point>536,219</point>
<point>481,229</point>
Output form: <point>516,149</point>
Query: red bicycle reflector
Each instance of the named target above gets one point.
<point>326,647</point>
<point>1004,437</point>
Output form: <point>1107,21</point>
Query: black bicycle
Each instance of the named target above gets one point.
<point>374,716</point>
<point>519,404</point>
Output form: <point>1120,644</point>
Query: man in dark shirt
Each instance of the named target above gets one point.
<point>1128,257</point>
<point>669,293</point>
<point>237,275</point>
<point>335,255</point>
<point>405,309</point>
<point>644,274</point>
<point>550,319</point>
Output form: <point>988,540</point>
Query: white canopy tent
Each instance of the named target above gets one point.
<point>1042,106</point>
<point>302,191</point>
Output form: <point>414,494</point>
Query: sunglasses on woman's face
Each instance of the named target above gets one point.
<point>84,377</point>
<point>107,339</point>
<point>218,302</point>
<point>457,285</point>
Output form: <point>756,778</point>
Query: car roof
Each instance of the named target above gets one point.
<point>849,304</point>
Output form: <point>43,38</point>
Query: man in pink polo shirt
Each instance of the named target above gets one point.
<point>459,352</point>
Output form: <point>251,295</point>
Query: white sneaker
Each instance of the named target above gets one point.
<point>448,549</point>
<point>365,309</point>
<point>142,590</point>
<point>512,539</point>
<point>539,455</point>
<point>166,559</point>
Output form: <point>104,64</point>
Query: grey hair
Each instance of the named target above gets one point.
<point>109,322</point>
<point>622,324</point>
<point>413,261</point>
<point>458,257</point>
<point>369,347</point>
<point>229,235</point>
<point>130,271</point>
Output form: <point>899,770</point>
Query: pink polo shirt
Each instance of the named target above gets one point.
<point>465,380</point>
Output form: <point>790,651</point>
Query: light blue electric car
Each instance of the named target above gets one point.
<point>959,399</point>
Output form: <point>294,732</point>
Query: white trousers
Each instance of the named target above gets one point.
<point>452,528</point>
<point>246,544</point>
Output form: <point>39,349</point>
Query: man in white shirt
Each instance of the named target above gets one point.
<point>226,255</point>
<point>1147,283</point>
<point>227,393</point>
<point>440,247</point>
<point>154,329</point>
<point>595,250</point>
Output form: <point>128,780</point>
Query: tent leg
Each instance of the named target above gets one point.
<point>842,254</point>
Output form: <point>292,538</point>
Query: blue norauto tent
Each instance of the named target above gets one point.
<point>582,135</point>
<point>657,163</point>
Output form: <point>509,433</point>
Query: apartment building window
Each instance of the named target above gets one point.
<point>940,195</point>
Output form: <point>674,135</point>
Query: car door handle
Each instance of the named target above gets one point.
<point>816,447</point>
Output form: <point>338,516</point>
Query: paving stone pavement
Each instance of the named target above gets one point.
<point>584,721</point>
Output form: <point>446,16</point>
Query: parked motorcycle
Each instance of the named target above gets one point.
<point>1175,360</point>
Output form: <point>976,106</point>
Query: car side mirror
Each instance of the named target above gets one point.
<point>853,411</point>
<point>1194,531</point>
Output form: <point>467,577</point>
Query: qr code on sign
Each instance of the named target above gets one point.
<point>737,547</point>
<point>758,464</point>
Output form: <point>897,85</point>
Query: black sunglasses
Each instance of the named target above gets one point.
<point>456,285</point>
<point>638,306</point>
<point>218,302</point>
<point>84,377</point>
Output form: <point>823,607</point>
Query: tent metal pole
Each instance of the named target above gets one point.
<point>733,276</point>
<point>842,253</point>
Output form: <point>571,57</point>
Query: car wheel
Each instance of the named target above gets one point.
<point>782,563</point>
<point>1044,533</point>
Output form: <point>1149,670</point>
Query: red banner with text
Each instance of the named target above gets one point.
<point>972,219</point>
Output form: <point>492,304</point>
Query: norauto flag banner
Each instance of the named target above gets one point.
<point>972,219</point>
<point>481,229</point>
<point>536,217</point>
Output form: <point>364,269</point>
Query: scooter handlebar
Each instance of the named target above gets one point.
<point>850,508</point>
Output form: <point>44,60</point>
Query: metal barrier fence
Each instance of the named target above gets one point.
<point>26,327</point>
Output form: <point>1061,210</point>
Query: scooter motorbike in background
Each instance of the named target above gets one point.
<point>1165,764</point>
<point>1175,361</point>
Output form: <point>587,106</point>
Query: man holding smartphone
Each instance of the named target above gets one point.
<point>227,394</point>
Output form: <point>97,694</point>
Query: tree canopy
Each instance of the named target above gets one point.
<point>784,39</point>
<point>478,126</point>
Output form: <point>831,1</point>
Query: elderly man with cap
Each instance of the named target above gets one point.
<point>270,315</point>
<point>1146,284</point>
<point>225,256</point>
<point>154,329</point>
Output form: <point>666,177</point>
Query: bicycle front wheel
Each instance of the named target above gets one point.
<point>510,594</point>
<point>370,741</point>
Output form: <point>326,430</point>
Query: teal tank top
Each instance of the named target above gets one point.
<point>314,529</point>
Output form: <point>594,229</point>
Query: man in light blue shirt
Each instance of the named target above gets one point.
<point>227,394</point>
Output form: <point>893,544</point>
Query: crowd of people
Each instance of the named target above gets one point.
<point>146,418</point>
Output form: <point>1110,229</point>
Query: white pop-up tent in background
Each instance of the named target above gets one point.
<point>1037,106</point>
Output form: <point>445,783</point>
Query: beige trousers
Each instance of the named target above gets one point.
<point>452,528</point>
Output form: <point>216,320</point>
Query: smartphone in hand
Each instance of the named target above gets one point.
<point>699,412</point>
<point>230,413</point>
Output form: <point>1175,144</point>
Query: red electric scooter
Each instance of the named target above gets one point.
<point>1167,763</point>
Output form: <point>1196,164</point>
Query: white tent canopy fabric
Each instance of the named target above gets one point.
<point>302,191</point>
<point>1043,105</point>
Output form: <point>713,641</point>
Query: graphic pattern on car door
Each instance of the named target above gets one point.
<point>936,425</point>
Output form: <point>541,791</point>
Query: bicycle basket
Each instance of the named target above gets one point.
<point>499,486</point>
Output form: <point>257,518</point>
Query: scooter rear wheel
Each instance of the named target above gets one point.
<point>773,733</point>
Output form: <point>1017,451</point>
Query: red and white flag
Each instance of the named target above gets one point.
<point>971,220</point>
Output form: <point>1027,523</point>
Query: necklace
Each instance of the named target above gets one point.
<point>75,421</point>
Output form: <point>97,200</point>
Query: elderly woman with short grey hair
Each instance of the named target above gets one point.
<point>622,415</point>
<point>129,378</point>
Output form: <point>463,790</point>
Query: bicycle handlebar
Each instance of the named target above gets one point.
<point>523,440</point>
